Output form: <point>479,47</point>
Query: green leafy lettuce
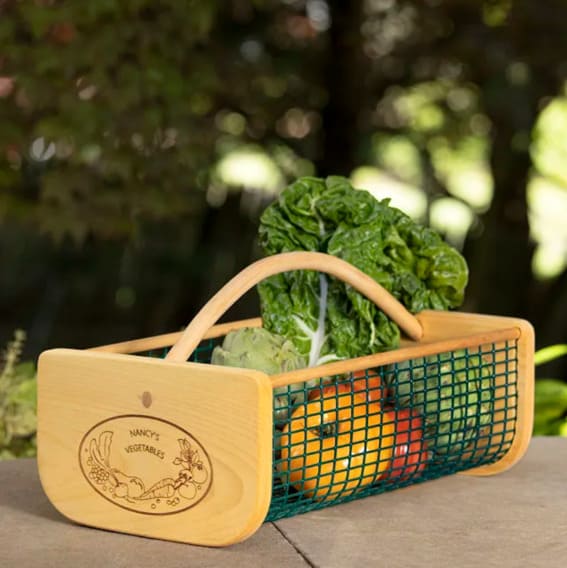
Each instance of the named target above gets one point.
<point>325,318</point>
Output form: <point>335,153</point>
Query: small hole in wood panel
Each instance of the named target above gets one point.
<point>146,399</point>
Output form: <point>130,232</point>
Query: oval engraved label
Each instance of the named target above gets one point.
<point>146,465</point>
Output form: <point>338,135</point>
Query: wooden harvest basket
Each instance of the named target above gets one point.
<point>134,438</point>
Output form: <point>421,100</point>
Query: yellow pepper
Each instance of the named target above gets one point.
<point>336,442</point>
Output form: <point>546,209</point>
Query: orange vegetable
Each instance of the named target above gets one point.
<point>335,443</point>
<point>371,385</point>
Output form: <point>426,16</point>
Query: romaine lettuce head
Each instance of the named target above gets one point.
<point>325,318</point>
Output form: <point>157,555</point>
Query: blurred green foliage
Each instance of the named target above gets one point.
<point>119,110</point>
<point>17,402</point>
<point>113,117</point>
<point>550,417</point>
<point>550,396</point>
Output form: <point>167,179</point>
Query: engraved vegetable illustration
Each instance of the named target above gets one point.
<point>190,478</point>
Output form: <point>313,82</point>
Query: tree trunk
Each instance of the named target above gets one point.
<point>501,274</point>
<point>343,84</point>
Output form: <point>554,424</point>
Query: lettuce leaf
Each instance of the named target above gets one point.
<point>326,319</point>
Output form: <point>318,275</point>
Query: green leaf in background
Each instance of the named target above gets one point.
<point>547,354</point>
<point>550,408</point>
<point>550,418</point>
<point>21,419</point>
<point>18,391</point>
<point>331,320</point>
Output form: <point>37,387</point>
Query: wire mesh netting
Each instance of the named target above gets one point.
<point>343,437</point>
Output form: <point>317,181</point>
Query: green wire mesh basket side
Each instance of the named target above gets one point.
<point>343,438</point>
<point>340,438</point>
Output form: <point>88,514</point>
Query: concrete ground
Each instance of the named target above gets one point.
<point>515,519</point>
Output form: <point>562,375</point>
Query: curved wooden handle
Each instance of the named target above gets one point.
<point>285,262</point>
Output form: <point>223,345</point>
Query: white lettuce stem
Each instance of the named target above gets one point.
<point>316,336</point>
<point>319,336</point>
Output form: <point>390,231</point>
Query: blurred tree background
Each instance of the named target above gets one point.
<point>140,141</point>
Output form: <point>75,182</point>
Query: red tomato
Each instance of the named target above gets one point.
<point>410,450</point>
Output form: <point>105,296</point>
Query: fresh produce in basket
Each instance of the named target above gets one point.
<point>257,348</point>
<point>410,449</point>
<point>335,443</point>
<point>367,383</point>
<point>341,438</point>
<point>326,319</point>
<point>454,392</point>
<point>370,383</point>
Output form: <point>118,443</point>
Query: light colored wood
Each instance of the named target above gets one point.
<point>524,417</point>
<point>261,269</point>
<point>225,413</point>
<point>168,339</point>
<point>442,331</point>
<point>440,324</point>
<point>435,323</point>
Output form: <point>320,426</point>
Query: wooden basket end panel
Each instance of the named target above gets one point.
<point>441,325</point>
<point>176,451</point>
<point>517,424</point>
